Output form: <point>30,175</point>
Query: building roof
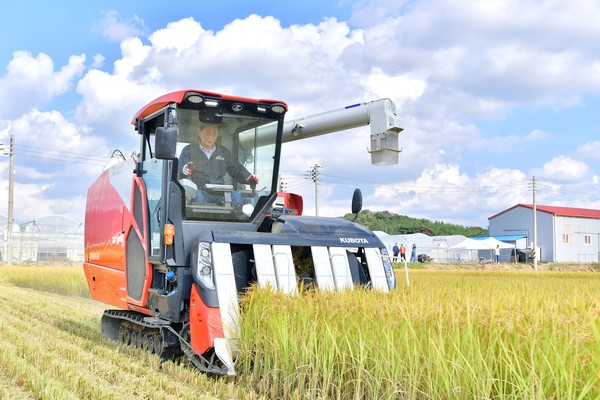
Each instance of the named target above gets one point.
<point>53,224</point>
<point>557,211</point>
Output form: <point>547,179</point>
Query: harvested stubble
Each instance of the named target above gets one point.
<point>51,348</point>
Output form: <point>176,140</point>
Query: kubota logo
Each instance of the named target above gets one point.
<point>354,240</point>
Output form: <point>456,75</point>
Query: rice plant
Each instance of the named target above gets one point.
<point>450,335</point>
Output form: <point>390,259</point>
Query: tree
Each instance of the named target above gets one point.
<point>395,224</point>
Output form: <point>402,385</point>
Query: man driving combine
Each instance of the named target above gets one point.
<point>207,162</point>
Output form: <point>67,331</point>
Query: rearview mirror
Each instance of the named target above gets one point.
<point>356,201</point>
<point>165,143</point>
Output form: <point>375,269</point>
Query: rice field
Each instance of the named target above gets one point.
<point>450,335</point>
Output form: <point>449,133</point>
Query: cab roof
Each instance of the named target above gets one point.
<point>178,96</point>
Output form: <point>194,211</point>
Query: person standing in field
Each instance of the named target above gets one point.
<point>402,252</point>
<point>413,253</point>
<point>395,251</point>
<point>497,254</point>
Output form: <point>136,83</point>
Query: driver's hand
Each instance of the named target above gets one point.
<point>187,168</point>
<point>252,180</point>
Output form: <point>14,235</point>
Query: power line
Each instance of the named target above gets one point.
<point>89,162</point>
<point>567,192</point>
<point>60,155</point>
<point>431,190</point>
<point>404,189</point>
<point>59,151</point>
<point>54,154</point>
<point>417,187</point>
<point>542,188</point>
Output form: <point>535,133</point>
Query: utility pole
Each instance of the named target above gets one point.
<point>282,185</point>
<point>535,255</point>
<point>314,175</point>
<point>11,183</point>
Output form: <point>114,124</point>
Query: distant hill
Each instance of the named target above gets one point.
<point>395,224</point>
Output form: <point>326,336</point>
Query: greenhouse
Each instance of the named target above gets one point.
<point>49,238</point>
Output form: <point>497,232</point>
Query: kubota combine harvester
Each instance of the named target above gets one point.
<point>174,265</point>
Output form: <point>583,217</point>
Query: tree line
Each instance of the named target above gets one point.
<point>395,224</point>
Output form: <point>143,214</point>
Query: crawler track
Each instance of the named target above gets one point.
<point>157,336</point>
<point>144,332</point>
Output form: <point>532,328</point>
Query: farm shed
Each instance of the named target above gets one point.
<point>564,234</point>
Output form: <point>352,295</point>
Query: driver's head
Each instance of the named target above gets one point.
<point>208,135</point>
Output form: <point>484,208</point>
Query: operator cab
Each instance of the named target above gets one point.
<point>251,131</point>
<point>224,197</point>
<point>248,131</point>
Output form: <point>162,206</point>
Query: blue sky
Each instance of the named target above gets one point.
<point>491,93</point>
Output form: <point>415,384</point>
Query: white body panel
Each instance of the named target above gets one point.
<point>275,267</point>
<point>265,268</point>
<point>323,272</point>
<point>376,270</point>
<point>284,269</point>
<point>340,268</point>
<point>227,290</point>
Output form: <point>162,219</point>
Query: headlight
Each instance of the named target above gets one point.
<point>278,108</point>
<point>195,98</point>
<point>204,269</point>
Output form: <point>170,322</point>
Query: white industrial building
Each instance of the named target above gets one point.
<point>564,234</point>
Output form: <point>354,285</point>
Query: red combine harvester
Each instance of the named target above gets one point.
<point>171,247</point>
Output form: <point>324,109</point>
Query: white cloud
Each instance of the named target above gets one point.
<point>32,82</point>
<point>382,85</point>
<point>536,134</point>
<point>443,192</point>
<point>52,130</point>
<point>109,101</point>
<point>115,28</point>
<point>98,61</point>
<point>251,57</point>
<point>563,169</point>
<point>506,143</point>
<point>501,53</point>
<point>55,162</point>
<point>179,35</point>
<point>589,150</point>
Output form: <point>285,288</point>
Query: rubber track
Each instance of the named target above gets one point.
<point>170,349</point>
